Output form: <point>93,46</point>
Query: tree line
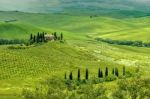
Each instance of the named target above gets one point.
<point>125,42</point>
<point>15,41</point>
<point>39,37</point>
<point>101,74</point>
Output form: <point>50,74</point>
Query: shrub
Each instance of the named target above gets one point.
<point>133,89</point>
<point>91,92</point>
<point>97,80</point>
<point>28,94</point>
<point>22,46</point>
<point>128,74</point>
<point>110,78</point>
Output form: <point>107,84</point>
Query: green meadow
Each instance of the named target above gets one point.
<point>27,68</point>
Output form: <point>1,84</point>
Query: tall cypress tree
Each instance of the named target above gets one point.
<point>79,75</point>
<point>71,76</point>
<point>124,71</point>
<point>87,74</point>
<point>55,36</point>
<point>61,36</point>
<point>106,72</point>
<point>38,37</point>
<point>41,37</point>
<point>113,71</point>
<point>116,72</point>
<point>31,37</point>
<point>99,73</point>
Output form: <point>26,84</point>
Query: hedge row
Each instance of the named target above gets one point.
<point>125,42</point>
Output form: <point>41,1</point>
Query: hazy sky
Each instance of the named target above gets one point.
<point>58,5</point>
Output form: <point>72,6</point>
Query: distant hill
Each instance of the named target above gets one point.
<point>111,7</point>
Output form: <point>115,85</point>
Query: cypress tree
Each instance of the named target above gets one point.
<point>87,74</point>
<point>31,37</point>
<point>79,75</point>
<point>65,76</point>
<point>41,37</point>
<point>124,71</point>
<point>113,71</point>
<point>71,76</point>
<point>38,37</point>
<point>55,35</point>
<point>106,72</point>
<point>99,73</point>
<point>61,36</point>
<point>116,72</point>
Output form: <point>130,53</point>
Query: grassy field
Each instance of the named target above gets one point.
<point>27,67</point>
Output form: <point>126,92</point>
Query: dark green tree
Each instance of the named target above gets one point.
<point>106,72</point>
<point>124,71</point>
<point>41,37</point>
<point>99,73</point>
<point>113,71</point>
<point>38,37</point>
<point>116,72</point>
<point>31,37</point>
<point>55,36</point>
<point>71,76</point>
<point>79,74</point>
<point>87,74</point>
<point>61,36</point>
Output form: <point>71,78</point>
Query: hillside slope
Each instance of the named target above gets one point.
<point>25,68</point>
<point>97,26</point>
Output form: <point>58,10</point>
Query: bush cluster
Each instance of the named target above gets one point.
<point>134,88</point>
<point>56,89</point>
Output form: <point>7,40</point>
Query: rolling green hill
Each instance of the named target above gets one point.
<point>25,68</point>
<point>99,26</point>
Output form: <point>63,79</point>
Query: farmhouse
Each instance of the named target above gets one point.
<point>49,37</point>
